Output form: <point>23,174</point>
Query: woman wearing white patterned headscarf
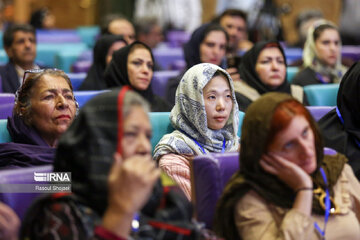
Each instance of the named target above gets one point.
<point>205,118</point>
<point>321,56</point>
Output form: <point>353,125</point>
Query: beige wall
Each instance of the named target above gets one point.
<point>330,8</point>
<point>68,13</point>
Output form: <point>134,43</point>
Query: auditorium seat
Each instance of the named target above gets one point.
<point>322,94</point>
<point>159,81</point>
<point>17,187</point>
<point>209,175</point>
<point>6,104</point>
<point>165,57</point>
<point>4,134</point>
<point>290,73</point>
<point>76,79</point>
<point>318,112</point>
<point>83,96</point>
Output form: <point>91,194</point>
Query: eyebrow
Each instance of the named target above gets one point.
<point>215,91</point>
<point>53,90</point>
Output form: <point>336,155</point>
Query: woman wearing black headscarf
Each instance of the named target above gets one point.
<point>133,66</point>
<point>288,186</point>
<point>262,70</point>
<point>341,126</point>
<point>206,45</point>
<point>103,50</point>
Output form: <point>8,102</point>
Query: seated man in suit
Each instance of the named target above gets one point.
<point>20,46</point>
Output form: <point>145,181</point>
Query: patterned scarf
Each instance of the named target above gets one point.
<point>188,117</point>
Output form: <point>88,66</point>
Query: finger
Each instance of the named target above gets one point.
<point>267,167</point>
<point>117,158</point>
<point>271,161</point>
<point>281,161</point>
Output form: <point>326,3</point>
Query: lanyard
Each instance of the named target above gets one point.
<point>320,78</point>
<point>342,121</point>
<point>203,150</point>
<point>327,205</point>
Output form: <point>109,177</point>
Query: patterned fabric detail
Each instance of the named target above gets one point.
<point>188,117</point>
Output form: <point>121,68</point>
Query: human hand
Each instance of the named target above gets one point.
<point>9,223</point>
<point>234,74</point>
<point>288,172</point>
<point>130,182</point>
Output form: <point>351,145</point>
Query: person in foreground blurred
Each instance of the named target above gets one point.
<point>9,223</point>
<point>288,187</point>
<point>341,126</point>
<point>133,66</point>
<point>44,108</point>
<point>105,46</point>
<point>114,196</point>
<point>321,56</point>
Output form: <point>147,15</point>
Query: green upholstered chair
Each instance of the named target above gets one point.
<point>291,72</point>
<point>4,134</point>
<point>322,94</point>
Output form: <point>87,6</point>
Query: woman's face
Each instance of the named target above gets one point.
<point>296,143</point>
<point>213,47</point>
<point>52,107</point>
<point>137,133</point>
<point>270,67</point>
<point>139,66</point>
<point>114,47</point>
<point>218,102</point>
<point>327,47</point>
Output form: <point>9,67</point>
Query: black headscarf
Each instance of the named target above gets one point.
<point>192,47</point>
<point>116,74</point>
<point>94,79</point>
<point>255,130</point>
<point>86,150</point>
<point>345,137</point>
<point>248,72</point>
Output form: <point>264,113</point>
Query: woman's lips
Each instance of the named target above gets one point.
<point>220,119</point>
<point>63,117</point>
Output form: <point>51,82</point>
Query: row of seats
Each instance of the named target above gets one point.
<point>317,95</point>
<point>161,124</point>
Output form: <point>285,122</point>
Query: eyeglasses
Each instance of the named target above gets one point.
<point>27,73</point>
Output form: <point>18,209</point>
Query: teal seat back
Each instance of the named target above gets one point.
<point>290,73</point>
<point>4,134</point>
<point>322,94</point>
<point>161,125</point>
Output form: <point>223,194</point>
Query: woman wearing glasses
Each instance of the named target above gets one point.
<point>44,108</point>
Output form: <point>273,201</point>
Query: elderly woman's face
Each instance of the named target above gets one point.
<point>270,67</point>
<point>140,68</point>
<point>52,107</point>
<point>137,134</point>
<point>328,47</point>
<point>296,143</point>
